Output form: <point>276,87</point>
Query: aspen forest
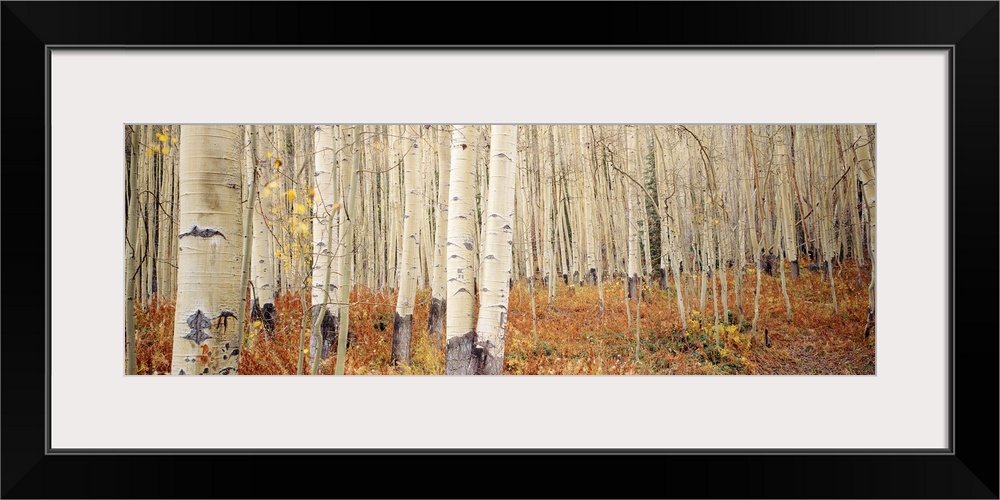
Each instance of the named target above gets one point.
<point>581,249</point>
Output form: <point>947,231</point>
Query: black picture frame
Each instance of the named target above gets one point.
<point>969,469</point>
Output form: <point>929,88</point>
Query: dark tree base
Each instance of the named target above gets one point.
<point>435,321</point>
<point>402,329</point>
<point>329,329</point>
<point>795,269</point>
<point>633,287</point>
<point>459,358</point>
<point>266,315</point>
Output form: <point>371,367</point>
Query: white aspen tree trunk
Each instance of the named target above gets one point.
<point>427,187</point>
<point>324,242</point>
<point>553,215</point>
<point>641,176</point>
<point>783,219</point>
<point>752,208</point>
<point>395,197</point>
<point>460,326</point>
<point>784,193</point>
<point>131,249</point>
<point>588,222</point>
<point>866,176</point>
<point>661,201</point>
<point>262,278</point>
<point>715,289</point>
<point>674,236</point>
<point>491,327</point>
<point>632,213</point>
<point>410,271</point>
<point>439,292</point>
<point>209,261</point>
<point>163,193</point>
<point>828,165</point>
<point>523,214</point>
<point>349,209</point>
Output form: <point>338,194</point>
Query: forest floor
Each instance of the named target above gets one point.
<point>573,337</point>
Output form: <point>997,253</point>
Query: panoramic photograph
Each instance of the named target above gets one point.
<point>510,249</point>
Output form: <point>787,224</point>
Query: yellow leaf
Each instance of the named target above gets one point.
<point>300,209</point>
<point>166,150</point>
<point>161,137</point>
<point>149,151</point>
<point>173,140</point>
<point>269,154</point>
<point>312,192</point>
<point>306,350</point>
<point>277,163</point>
<point>256,324</point>
<point>290,195</point>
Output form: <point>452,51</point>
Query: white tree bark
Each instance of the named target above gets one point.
<point>262,275</point>
<point>491,328</point>
<point>410,261</point>
<point>210,257</point>
<point>439,292</point>
<point>324,209</point>
<point>460,326</point>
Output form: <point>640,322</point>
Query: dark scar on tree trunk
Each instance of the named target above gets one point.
<point>459,357</point>
<point>224,320</point>
<point>202,233</point>
<point>198,322</point>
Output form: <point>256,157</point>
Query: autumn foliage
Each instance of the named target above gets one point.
<point>574,339</point>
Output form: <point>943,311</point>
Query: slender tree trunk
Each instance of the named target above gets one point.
<point>403,322</point>
<point>491,328</point>
<point>260,265</point>
<point>348,210</point>
<point>866,175</point>
<point>130,250</point>
<point>439,294</point>
<point>324,244</point>
<point>208,295</point>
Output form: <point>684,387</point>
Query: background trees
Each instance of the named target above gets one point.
<point>458,223</point>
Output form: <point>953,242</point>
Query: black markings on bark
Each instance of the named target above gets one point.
<point>198,322</point>
<point>202,233</point>
<point>402,328</point>
<point>435,321</point>
<point>328,329</point>
<point>205,371</point>
<point>592,277</point>
<point>459,357</point>
<point>224,320</point>
<point>236,352</point>
<point>768,263</point>
<point>633,287</point>
<point>181,372</point>
<point>468,245</point>
<point>226,370</point>
<point>266,315</point>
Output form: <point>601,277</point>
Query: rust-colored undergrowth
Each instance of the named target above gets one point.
<point>573,338</point>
